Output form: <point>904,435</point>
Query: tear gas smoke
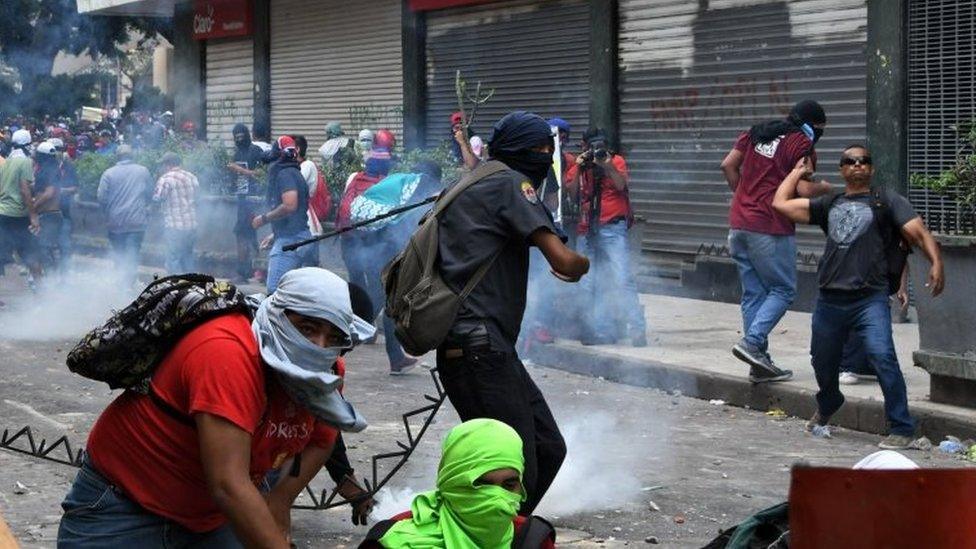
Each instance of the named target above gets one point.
<point>64,310</point>
<point>589,479</point>
<point>602,460</point>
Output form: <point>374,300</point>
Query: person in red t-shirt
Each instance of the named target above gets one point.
<point>233,400</point>
<point>762,241</point>
<point>599,180</point>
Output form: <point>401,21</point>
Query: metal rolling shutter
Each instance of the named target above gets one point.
<point>942,98</point>
<point>335,60</point>
<point>230,86</point>
<point>533,54</point>
<point>693,79</point>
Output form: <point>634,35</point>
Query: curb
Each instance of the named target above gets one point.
<point>860,414</point>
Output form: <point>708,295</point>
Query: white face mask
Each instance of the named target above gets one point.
<point>303,368</point>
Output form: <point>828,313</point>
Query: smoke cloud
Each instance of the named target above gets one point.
<point>588,479</point>
<point>63,309</point>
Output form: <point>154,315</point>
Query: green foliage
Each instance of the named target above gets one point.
<point>148,99</point>
<point>33,32</point>
<point>349,162</point>
<point>959,181</point>
<point>207,161</point>
<point>442,155</point>
<point>61,95</point>
<point>90,168</point>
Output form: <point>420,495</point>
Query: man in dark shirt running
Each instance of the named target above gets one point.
<point>287,203</point>
<point>247,158</point>
<point>864,226</point>
<point>498,219</point>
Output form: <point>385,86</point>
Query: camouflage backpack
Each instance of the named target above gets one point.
<point>125,350</point>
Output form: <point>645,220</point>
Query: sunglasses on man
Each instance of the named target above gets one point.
<point>855,161</point>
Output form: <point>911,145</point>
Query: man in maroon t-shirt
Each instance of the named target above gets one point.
<point>761,241</point>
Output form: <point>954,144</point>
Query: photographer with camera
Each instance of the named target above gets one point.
<point>598,181</point>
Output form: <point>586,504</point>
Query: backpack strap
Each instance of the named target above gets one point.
<point>483,170</point>
<point>533,533</point>
<point>376,533</point>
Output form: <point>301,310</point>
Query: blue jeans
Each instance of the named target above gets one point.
<point>48,238</point>
<point>365,254</point>
<point>868,318</point>
<point>609,287</point>
<point>64,242</point>
<point>125,254</point>
<point>854,359</point>
<point>280,261</point>
<point>99,515</point>
<point>767,272</point>
<point>179,250</point>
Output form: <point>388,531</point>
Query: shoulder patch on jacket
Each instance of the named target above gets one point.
<point>528,191</point>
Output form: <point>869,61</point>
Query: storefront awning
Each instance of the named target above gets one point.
<point>143,8</point>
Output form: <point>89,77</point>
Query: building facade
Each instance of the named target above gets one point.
<point>673,82</point>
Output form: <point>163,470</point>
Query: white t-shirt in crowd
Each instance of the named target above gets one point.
<point>311,174</point>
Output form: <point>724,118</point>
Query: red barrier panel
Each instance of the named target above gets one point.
<point>910,509</point>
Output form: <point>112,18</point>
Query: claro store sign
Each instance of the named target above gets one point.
<point>221,18</point>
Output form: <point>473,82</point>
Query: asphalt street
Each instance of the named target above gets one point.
<point>642,463</point>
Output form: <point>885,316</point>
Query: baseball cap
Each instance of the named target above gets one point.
<point>285,142</point>
<point>21,137</point>
<point>47,148</point>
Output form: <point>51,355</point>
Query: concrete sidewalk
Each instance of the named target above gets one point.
<point>688,350</point>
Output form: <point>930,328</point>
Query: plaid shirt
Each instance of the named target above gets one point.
<point>177,190</point>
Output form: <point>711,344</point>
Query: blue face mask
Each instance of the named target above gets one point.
<point>812,133</point>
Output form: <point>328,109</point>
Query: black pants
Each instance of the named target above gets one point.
<point>494,384</point>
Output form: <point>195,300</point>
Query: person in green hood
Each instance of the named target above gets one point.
<point>475,504</point>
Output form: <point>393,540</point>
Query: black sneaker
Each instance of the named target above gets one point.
<point>756,358</point>
<point>761,375</point>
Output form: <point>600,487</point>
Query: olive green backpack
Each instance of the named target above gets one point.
<point>422,306</point>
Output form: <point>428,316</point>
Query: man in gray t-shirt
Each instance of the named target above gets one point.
<point>864,227</point>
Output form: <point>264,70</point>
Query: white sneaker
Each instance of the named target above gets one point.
<point>848,378</point>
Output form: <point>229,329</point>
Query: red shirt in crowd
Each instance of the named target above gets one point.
<point>763,168</point>
<point>358,184</point>
<point>155,459</point>
<point>614,204</point>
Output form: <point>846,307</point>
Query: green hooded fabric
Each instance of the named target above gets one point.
<point>460,514</point>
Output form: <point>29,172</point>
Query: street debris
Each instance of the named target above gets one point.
<point>652,540</point>
<point>922,443</point>
<point>821,431</point>
<point>776,413</point>
<point>679,519</point>
<point>717,402</point>
<point>20,488</point>
<point>653,506</point>
<point>952,445</point>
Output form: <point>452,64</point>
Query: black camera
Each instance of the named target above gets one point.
<point>601,154</point>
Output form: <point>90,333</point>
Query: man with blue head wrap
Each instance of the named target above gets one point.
<point>495,221</point>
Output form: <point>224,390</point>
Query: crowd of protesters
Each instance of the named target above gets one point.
<point>516,223</point>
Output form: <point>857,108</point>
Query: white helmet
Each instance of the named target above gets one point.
<point>57,142</point>
<point>21,137</point>
<point>47,148</point>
